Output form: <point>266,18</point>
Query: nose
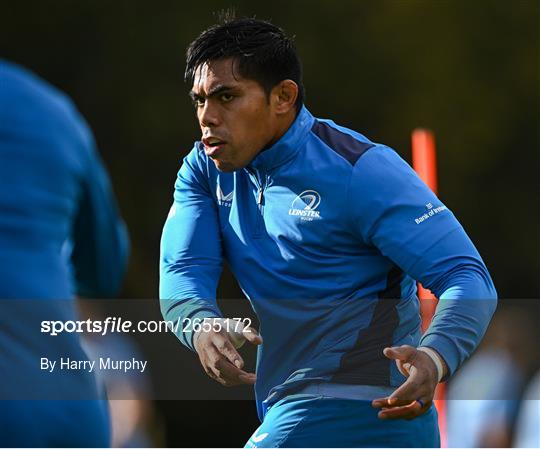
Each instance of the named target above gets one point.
<point>208,115</point>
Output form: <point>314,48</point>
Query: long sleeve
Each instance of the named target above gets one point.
<point>191,256</point>
<point>100,239</point>
<point>397,213</point>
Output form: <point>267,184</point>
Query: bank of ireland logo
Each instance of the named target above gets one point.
<point>305,206</point>
<point>222,199</point>
<point>430,212</point>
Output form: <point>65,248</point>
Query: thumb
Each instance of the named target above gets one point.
<point>403,356</point>
<point>403,353</point>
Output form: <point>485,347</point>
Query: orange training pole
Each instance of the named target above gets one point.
<point>425,164</point>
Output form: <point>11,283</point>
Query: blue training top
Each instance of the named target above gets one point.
<point>326,233</point>
<point>55,194</point>
<point>60,234</point>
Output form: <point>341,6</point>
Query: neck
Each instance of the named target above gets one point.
<point>283,124</point>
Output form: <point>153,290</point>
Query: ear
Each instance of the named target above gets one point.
<point>284,96</point>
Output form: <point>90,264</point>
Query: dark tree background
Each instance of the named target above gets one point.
<point>470,71</point>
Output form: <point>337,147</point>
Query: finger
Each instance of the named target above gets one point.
<point>390,402</point>
<point>220,380</point>
<point>409,411</point>
<point>248,378</point>
<point>234,375</point>
<point>227,379</point>
<point>412,389</point>
<point>221,370</point>
<point>380,402</point>
<point>397,403</point>
<point>251,335</point>
<point>211,374</point>
<point>211,361</point>
<point>403,412</point>
<point>226,348</point>
<point>403,367</point>
<point>404,353</point>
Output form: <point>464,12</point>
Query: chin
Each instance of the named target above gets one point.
<point>225,167</point>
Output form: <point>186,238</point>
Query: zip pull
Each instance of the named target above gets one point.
<point>260,196</point>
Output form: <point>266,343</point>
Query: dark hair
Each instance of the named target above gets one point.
<point>262,51</point>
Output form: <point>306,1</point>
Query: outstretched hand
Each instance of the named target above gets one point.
<point>218,355</point>
<point>414,397</point>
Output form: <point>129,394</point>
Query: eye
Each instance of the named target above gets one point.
<point>225,97</point>
<point>198,102</point>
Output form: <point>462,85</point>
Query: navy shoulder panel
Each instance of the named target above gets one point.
<point>342,143</point>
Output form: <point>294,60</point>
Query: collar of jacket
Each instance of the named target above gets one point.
<point>287,146</point>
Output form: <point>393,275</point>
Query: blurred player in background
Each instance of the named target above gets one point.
<point>482,410</point>
<point>60,235</point>
<point>132,412</point>
<point>528,431</point>
<point>326,232</point>
<point>483,398</point>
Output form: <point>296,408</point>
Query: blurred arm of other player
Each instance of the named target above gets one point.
<point>409,225</point>
<point>100,239</point>
<point>190,267</point>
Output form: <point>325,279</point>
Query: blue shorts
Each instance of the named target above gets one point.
<point>317,421</point>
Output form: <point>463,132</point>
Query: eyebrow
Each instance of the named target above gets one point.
<point>216,90</point>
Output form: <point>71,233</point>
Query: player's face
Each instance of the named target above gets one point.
<point>236,118</point>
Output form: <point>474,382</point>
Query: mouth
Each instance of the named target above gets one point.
<point>213,146</point>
